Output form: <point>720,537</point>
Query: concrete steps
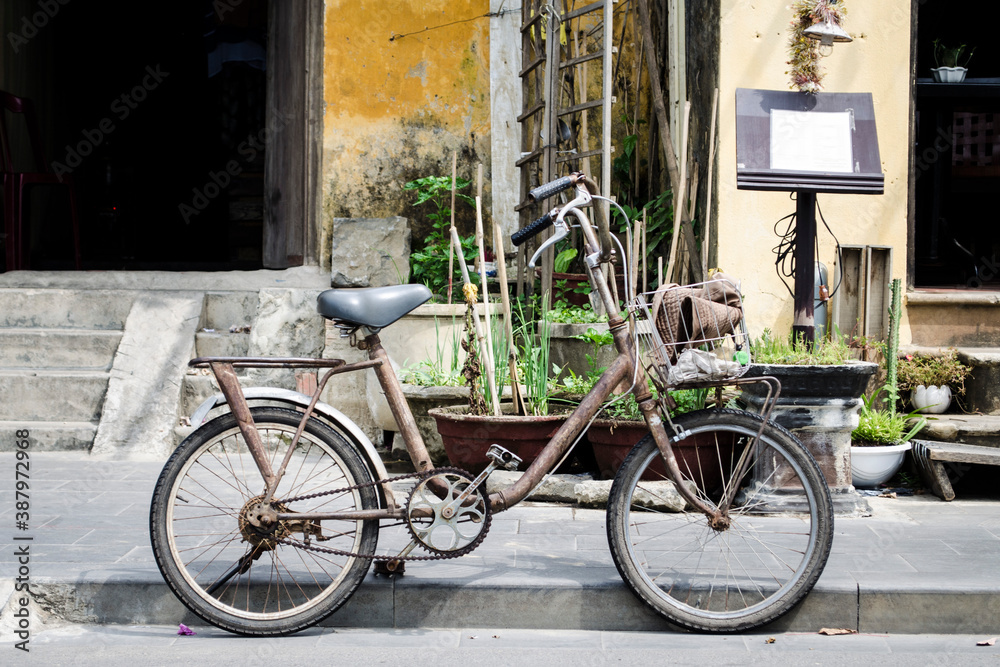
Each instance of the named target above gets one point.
<point>982,430</point>
<point>57,347</point>
<point>224,331</point>
<point>969,321</point>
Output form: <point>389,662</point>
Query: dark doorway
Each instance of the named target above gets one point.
<point>957,159</point>
<point>158,112</point>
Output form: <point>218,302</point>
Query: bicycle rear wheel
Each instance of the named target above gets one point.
<point>244,579</point>
<point>733,578</point>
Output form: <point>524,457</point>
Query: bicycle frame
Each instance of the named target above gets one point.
<point>621,369</point>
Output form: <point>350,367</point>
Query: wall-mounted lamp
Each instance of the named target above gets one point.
<point>827,32</point>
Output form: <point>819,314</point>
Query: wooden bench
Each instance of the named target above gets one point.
<point>930,457</point>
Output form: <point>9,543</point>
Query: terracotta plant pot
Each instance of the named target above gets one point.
<point>467,437</point>
<point>612,441</point>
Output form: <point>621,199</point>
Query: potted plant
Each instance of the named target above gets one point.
<point>880,441</point>
<point>951,67</point>
<point>821,389</point>
<point>932,379</point>
<point>577,333</point>
<point>467,431</point>
<point>619,428</point>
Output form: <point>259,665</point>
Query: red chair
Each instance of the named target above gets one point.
<point>16,182</point>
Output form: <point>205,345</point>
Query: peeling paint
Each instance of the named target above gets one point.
<point>396,109</point>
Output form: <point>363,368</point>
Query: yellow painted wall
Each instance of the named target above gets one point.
<point>397,108</point>
<point>754,36</point>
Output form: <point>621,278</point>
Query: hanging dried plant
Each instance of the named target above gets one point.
<point>805,73</point>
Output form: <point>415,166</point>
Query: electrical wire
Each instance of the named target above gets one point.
<point>785,250</point>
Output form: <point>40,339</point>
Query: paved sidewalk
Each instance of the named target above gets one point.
<point>917,565</point>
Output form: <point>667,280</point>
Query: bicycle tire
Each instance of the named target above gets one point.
<point>199,537</point>
<point>734,579</point>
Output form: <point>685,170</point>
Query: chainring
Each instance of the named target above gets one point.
<point>442,524</point>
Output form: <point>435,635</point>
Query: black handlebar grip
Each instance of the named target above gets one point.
<point>543,192</point>
<point>522,235</point>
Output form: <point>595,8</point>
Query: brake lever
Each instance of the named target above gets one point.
<point>562,231</point>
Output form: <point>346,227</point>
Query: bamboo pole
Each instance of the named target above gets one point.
<point>656,93</point>
<point>680,206</point>
<point>645,249</point>
<point>707,233</point>
<point>491,378</point>
<point>659,271</point>
<point>634,264</point>
<point>486,361</point>
<point>501,260</point>
<point>451,244</point>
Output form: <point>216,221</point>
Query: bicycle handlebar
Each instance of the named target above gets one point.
<point>543,192</point>
<point>522,235</point>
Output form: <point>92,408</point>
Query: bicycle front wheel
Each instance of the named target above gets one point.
<point>244,578</point>
<point>745,571</point>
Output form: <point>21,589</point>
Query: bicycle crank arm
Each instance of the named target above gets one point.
<point>499,457</point>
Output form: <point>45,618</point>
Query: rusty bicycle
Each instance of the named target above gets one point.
<point>265,520</point>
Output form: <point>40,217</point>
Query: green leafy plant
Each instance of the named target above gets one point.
<point>567,314</point>
<point>927,370</point>
<point>533,362</point>
<point>429,263</point>
<point>444,370</point>
<point>564,259</point>
<point>878,427</point>
<point>769,349</point>
<point>581,384</point>
<point>687,400</point>
<point>947,56</point>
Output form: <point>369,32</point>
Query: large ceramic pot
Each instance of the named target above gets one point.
<point>819,405</point>
<point>871,466</point>
<point>611,442</point>
<point>467,438</point>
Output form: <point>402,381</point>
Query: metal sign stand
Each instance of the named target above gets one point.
<point>806,143</point>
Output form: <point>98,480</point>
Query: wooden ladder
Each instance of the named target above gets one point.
<point>557,118</point>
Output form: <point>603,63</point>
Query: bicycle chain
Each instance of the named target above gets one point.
<point>387,558</point>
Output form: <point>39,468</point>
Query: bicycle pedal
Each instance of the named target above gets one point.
<point>390,568</point>
<point>503,458</point>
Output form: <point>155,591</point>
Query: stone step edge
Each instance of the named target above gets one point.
<point>60,331</point>
<point>970,356</point>
<point>428,601</point>
<point>50,436</point>
<point>54,373</point>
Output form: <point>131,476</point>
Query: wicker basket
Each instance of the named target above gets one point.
<point>693,335</point>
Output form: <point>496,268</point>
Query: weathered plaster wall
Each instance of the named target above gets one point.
<point>753,55</point>
<point>397,108</point>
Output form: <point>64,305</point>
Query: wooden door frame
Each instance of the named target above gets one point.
<point>294,138</point>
